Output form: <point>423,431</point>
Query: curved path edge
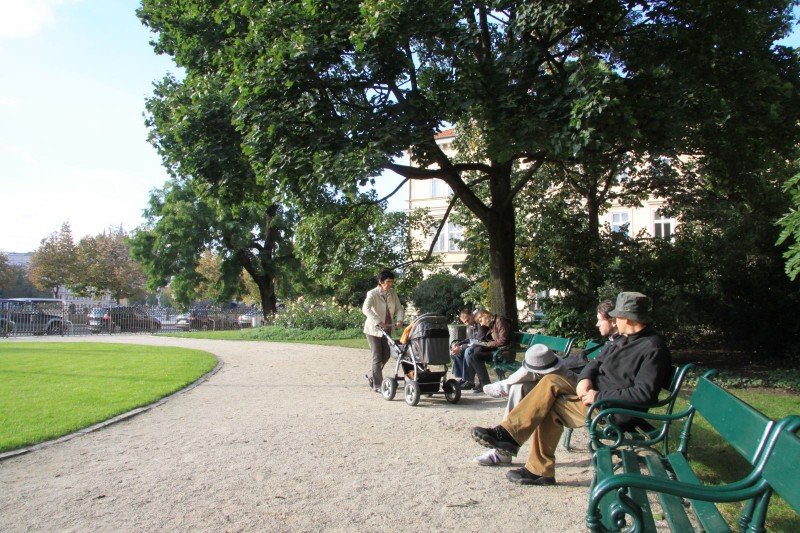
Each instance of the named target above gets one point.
<point>119,418</point>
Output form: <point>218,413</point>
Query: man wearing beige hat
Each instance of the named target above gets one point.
<point>635,368</point>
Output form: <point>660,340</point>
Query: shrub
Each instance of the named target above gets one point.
<point>308,315</point>
<point>441,294</point>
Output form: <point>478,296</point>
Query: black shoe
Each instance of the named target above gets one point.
<point>466,385</point>
<point>477,390</point>
<point>497,438</point>
<point>523,476</point>
<point>369,380</point>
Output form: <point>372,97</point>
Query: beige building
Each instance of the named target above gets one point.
<point>434,196</point>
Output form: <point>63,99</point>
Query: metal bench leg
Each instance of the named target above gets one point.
<point>565,438</point>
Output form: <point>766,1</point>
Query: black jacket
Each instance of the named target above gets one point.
<point>633,368</point>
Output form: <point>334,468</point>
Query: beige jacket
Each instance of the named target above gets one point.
<point>374,309</point>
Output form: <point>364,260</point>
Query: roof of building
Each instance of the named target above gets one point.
<point>444,134</point>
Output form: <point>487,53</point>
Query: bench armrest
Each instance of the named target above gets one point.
<point>733,492</point>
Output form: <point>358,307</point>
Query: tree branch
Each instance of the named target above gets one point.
<point>524,180</point>
<point>429,254</point>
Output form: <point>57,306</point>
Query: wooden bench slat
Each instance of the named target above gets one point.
<point>603,468</point>
<point>738,423</point>
<point>707,513</point>
<point>673,508</point>
<point>630,464</point>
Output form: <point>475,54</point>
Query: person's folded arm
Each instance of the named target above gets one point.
<point>649,380</point>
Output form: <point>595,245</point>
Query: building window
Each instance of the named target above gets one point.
<point>449,239</point>
<point>621,222</point>
<point>663,226</point>
<point>455,233</point>
<point>439,244</point>
<point>439,188</point>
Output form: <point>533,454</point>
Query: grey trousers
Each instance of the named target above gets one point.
<point>515,394</point>
<point>380,355</point>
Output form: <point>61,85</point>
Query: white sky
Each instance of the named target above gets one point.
<point>74,75</point>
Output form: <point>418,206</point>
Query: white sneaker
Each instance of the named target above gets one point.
<point>496,390</point>
<point>492,458</point>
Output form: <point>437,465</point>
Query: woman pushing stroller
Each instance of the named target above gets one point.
<point>383,311</point>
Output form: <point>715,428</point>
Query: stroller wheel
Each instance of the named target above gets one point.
<point>388,388</point>
<point>412,393</point>
<point>452,391</point>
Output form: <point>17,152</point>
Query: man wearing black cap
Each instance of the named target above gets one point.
<point>634,369</point>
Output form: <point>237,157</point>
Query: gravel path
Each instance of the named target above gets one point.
<point>285,437</point>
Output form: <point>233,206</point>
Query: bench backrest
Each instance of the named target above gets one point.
<point>559,345</point>
<point>737,422</point>
<point>522,339</point>
<point>592,349</point>
<point>782,470</point>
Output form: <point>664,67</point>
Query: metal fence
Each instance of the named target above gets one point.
<point>24,317</point>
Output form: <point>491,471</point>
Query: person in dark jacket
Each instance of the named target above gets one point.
<point>635,367</point>
<point>478,353</point>
<point>475,332</point>
<point>607,327</point>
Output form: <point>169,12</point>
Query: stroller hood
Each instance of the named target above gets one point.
<point>430,339</point>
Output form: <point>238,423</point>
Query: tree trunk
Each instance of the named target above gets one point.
<point>501,228</point>
<point>266,290</point>
<point>258,267</point>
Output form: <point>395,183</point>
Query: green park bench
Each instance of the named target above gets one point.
<point>521,341</point>
<point>604,433</point>
<point>618,498</point>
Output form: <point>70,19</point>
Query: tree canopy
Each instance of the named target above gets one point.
<point>326,95</point>
<point>53,264</point>
<point>104,265</point>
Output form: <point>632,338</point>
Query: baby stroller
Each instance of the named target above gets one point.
<point>427,345</point>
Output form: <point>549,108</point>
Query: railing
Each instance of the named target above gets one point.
<point>22,318</point>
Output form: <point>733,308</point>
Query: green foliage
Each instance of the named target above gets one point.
<point>53,264</point>
<point>343,247</point>
<point>548,96</point>
<point>52,389</point>
<point>790,222</point>
<point>15,284</point>
<point>104,265</point>
<point>441,294</point>
<point>213,203</point>
<point>311,314</point>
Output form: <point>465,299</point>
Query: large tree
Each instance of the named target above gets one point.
<point>214,201</point>
<point>330,94</point>
<point>104,265</point>
<point>7,275</point>
<point>53,264</point>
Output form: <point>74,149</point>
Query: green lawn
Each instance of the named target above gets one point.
<point>349,339</point>
<point>52,389</point>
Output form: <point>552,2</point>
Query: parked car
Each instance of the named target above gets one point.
<point>206,319</point>
<point>247,319</point>
<point>122,318</point>
<point>21,316</point>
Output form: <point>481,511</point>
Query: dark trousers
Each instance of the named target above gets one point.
<point>380,355</point>
<point>475,358</point>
